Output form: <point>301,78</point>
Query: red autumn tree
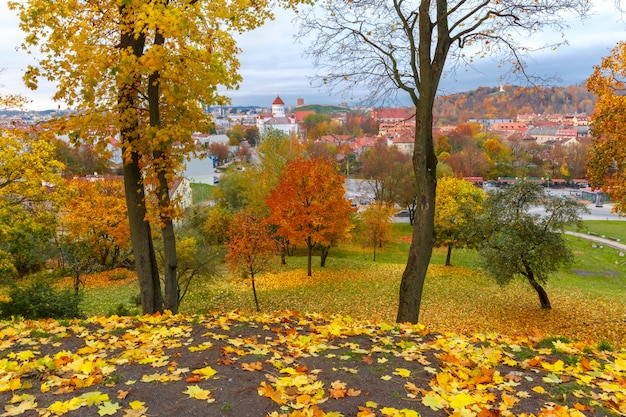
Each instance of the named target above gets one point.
<point>251,247</point>
<point>308,204</point>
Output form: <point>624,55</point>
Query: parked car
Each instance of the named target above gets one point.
<point>403,213</point>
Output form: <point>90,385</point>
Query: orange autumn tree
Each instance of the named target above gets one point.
<point>251,247</point>
<point>308,205</point>
<point>96,215</point>
<point>606,161</point>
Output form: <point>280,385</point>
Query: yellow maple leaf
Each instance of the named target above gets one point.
<point>434,401</point>
<point>539,389</point>
<point>194,391</point>
<point>462,400</point>
<point>108,408</point>
<point>206,372</point>
<point>405,373</point>
<point>136,405</point>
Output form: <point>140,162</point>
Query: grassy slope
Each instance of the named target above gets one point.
<point>588,298</point>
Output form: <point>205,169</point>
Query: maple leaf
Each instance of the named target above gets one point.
<point>405,373</point>
<point>365,412</point>
<point>108,409</point>
<point>21,408</point>
<point>266,390</point>
<point>337,390</point>
<point>252,366</point>
<point>194,391</point>
<point>193,379</point>
<point>122,394</point>
<point>434,401</point>
<point>206,372</point>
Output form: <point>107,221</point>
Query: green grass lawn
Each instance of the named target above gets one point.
<point>587,298</point>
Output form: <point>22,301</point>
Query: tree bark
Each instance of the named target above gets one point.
<point>449,256</point>
<point>140,234</point>
<point>323,256</point>
<point>256,300</point>
<point>309,246</point>
<point>541,292</point>
<point>159,159</point>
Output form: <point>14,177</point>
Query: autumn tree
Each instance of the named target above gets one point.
<point>308,204</point>
<point>251,247</point>
<point>519,243</point>
<point>385,169</point>
<point>105,231</point>
<point>393,48</point>
<point>30,191</point>
<point>376,224</point>
<point>607,154</point>
<point>219,151</point>
<point>458,203</point>
<point>140,69</point>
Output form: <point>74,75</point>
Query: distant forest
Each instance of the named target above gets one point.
<point>492,103</point>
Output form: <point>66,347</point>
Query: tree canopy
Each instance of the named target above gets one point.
<point>520,243</point>
<point>606,165</point>
<point>308,204</point>
<point>395,48</point>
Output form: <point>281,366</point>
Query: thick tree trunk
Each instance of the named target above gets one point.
<point>420,251</point>
<point>140,234</point>
<point>541,292</point>
<point>163,192</point>
<point>141,239</point>
<point>449,255</point>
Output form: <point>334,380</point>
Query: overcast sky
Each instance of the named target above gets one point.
<point>271,63</point>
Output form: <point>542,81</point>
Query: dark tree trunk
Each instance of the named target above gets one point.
<point>425,168</point>
<point>141,239</point>
<point>309,245</point>
<point>449,255</point>
<point>541,292</point>
<point>323,256</point>
<point>141,236</point>
<point>256,300</point>
<point>160,162</point>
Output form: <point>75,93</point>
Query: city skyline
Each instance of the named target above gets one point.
<point>272,63</point>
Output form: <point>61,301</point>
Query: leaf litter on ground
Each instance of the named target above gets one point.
<point>292,364</point>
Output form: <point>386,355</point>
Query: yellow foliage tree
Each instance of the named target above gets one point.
<point>376,220</point>
<point>458,202</point>
<point>141,69</point>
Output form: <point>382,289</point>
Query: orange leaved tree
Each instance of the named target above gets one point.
<point>251,247</point>
<point>308,204</point>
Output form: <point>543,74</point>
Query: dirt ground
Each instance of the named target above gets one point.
<point>288,364</point>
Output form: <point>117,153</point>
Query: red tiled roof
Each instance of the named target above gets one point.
<point>278,100</point>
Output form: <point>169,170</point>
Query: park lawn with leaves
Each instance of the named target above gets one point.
<point>329,347</point>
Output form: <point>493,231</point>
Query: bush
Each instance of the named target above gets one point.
<point>40,300</point>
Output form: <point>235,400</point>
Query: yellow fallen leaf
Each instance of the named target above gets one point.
<point>205,373</point>
<point>405,373</point>
<point>539,389</point>
<point>194,391</point>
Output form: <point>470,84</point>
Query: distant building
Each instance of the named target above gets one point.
<point>278,120</point>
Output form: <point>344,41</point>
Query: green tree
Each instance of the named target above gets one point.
<point>457,204</point>
<point>520,243</point>
<point>396,48</point>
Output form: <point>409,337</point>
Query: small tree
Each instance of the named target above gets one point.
<point>517,242</point>
<point>251,248</point>
<point>376,224</point>
<point>308,204</point>
<point>457,204</point>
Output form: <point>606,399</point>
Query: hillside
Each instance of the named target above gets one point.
<point>323,109</point>
<point>508,102</point>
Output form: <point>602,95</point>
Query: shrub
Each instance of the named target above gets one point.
<point>40,300</point>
